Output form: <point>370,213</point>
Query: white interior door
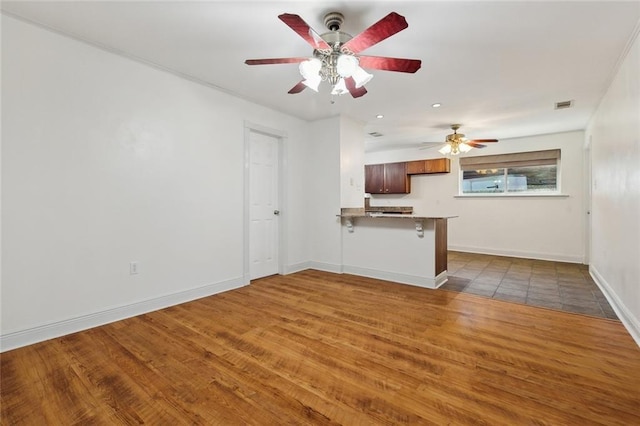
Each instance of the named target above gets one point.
<point>263,201</point>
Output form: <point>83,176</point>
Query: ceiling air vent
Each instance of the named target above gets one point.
<point>375,134</point>
<point>564,104</point>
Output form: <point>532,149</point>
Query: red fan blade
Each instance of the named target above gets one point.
<point>274,61</point>
<point>475,145</point>
<point>482,140</point>
<point>297,88</point>
<point>356,92</point>
<point>384,28</point>
<point>390,64</point>
<point>297,24</point>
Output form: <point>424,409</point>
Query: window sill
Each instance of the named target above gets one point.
<point>512,196</point>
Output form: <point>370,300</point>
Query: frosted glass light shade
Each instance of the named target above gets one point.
<point>340,88</point>
<point>361,77</point>
<point>310,68</point>
<point>463,147</point>
<point>445,149</point>
<point>347,65</point>
<point>312,82</point>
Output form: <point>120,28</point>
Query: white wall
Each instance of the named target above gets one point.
<point>535,227</point>
<point>614,132</point>
<point>107,161</point>
<point>336,170</point>
<point>351,163</point>
<point>323,168</point>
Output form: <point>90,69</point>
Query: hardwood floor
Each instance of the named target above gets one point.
<point>321,348</point>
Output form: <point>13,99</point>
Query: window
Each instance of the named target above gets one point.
<point>520,173</point>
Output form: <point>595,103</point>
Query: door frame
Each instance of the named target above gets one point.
<point>281,137</point>
<point>588,194</point>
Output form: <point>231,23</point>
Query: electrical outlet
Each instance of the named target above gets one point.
<point>134,268</point>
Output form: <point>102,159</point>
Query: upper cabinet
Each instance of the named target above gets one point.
<point>394,178</point>
<point>420,167</point>
<point>374,178</point>
<point>390,178</point>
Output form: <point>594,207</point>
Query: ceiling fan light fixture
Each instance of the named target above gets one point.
<point>335,53</point>
<point>310,68</point>
<point>361,77</point>
<point>347,65</point>
<point>445,149</point>
<point>456,143</point>
<point>340,88</point>
<point>463,147</point>
<point>313,82</point>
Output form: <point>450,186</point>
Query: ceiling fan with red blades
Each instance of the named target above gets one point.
<point>336,56</point>
<point>457,143</point>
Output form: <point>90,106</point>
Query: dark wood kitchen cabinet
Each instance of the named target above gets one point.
<point>389,178</point>
<point>374,178</point>
<point>422,167</point>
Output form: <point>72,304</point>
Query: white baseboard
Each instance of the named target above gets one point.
<point>519,254</point>
<point>60,328</point>
<point>441,279</point>
<point>631,323</point>
<point>326,267</point>
<point>397,277</point>
<point>297,267</point>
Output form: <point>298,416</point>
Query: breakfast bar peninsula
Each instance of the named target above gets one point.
<point>405,248</point>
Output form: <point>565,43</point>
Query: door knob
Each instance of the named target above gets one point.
<point>276,212</point>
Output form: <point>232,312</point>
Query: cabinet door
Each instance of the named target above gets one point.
<point>440,165</point>
<point>416,167</point>
<point>374,178</point>
<point>396,180</point>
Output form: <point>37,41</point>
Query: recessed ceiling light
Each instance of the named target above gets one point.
<point>436,105</point>
<point>379,116</point>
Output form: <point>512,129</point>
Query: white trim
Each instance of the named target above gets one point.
<point>586,203</point>
<point>326,267</point>
<point>520,254</point>
<point>631,323</point>
<point>319,266</point>
<point>415,280</point>
<point>441,278</point>
<point>298,267</point>
<point>246,265</point>
<point>55,329</point>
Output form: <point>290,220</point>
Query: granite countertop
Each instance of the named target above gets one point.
<point>390,215</point>
<point>400,213</point>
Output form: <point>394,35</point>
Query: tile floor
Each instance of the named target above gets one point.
<point>556,285</point>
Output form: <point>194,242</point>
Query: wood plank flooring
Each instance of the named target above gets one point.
<point>321,348</point>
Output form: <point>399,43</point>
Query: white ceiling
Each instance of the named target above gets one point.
<point>496,67</point>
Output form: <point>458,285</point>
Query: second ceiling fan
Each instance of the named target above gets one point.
<point>336,56</point>
<point>456,143</point>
